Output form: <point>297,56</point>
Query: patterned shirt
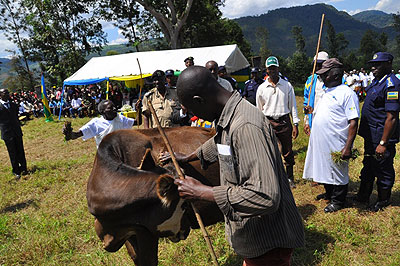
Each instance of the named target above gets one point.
<point>254,196</point>
<point>163,105</point>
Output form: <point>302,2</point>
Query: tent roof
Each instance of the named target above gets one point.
<point>126,64</point>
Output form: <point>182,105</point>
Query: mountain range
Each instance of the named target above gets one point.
<point>279,23</point>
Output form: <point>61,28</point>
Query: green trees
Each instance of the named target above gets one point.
<point>396,25</point>
<point>12,23</point>
<point>154,17</point>
<point>336,43</point>
<point>370,43</point>
<point>262,38</point>
<point>299,64</point>
<point>61,34</point>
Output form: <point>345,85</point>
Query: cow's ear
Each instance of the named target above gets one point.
<point>147,162</point>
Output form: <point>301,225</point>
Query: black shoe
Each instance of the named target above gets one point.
<point>332,207</point>
<point>25,172</point>
<point>379,206</point>
<point>359,199</point>
<point>17,176</point>
<point>322,196</point>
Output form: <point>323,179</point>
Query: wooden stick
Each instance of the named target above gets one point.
<point>182,176</point>
<point>138,112</point>
<point>316,56</point>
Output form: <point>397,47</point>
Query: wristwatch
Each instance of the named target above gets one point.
<point>382,143</point>
<point>296,124</point>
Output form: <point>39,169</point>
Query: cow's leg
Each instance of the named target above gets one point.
<point>143,248</point>
<point>131,249</point>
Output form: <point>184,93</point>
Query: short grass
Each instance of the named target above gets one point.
<point>44,218</point>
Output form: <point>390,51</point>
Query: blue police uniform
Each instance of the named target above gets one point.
<point>382,97</point>
<point>250,90</point>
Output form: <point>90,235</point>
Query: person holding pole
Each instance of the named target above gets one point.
<point>262,222</point>
<point>314,93</point>
<point>334,130</point>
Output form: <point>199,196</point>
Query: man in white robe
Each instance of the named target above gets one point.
<point>334,129</point>
<point>99,127</point>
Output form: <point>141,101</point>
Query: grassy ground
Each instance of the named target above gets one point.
<point>44,218</point>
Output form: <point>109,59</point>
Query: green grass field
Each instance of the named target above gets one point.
<point>44,218</point>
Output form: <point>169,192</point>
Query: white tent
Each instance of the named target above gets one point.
<point>104,67</point>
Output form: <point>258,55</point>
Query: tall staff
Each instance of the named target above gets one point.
<point>315,64</point>
<point>139,112</point>
<point>182,176</point>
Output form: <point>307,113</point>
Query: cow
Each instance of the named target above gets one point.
<point>133,198</point>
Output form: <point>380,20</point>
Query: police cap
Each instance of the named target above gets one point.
<point>157,74</point>
<point>169,73</point>
<point>381,57</point>
<point>255,70</point>
<point>189,58</point>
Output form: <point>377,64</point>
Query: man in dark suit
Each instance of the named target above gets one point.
<point>11,133</point>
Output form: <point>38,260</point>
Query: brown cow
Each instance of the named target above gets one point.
<point>121,191</point>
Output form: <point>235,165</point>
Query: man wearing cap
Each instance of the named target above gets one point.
<point>212,66</point>
<point>222,73</point>
<point>275,98</point>
<point>189,61</point>
<point>334,130</point>
<point>164,101</point>
<point>11,133</point>
<point>170,77</point>
<point>380,129</point>
<point>251,86</point>
<point>312,98</point>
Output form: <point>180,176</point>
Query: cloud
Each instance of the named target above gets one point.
<point>353,12</point>
<point>5,45</point>
<point>388,6</point>
<point>240,8</point>
<point>118,41</point>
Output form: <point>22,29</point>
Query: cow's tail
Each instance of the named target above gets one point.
<point>167,191</point>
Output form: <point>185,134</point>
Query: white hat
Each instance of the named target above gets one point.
<point>322,56</point>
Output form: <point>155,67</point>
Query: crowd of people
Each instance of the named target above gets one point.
<point>254,128</point>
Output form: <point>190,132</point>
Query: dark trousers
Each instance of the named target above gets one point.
<point>381,168</point>
<point>336,193</point>
<point>283,130</point>
<point>274,257</point>
<point>15,148</point>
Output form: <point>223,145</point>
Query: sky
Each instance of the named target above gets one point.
<point>240,8</point>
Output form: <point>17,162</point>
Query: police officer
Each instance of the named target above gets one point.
<point>189,61</point>
<point>251,86</point>
<point>170,77</point>
<point>164,101</point>
<point>380,130</point>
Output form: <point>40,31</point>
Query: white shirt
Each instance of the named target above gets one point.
<point>76,103</point>
<point>224,83</point>
<point>330,130</point>
<point>364,79</point>
<point>277,101</point>
<point>99,127</point>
